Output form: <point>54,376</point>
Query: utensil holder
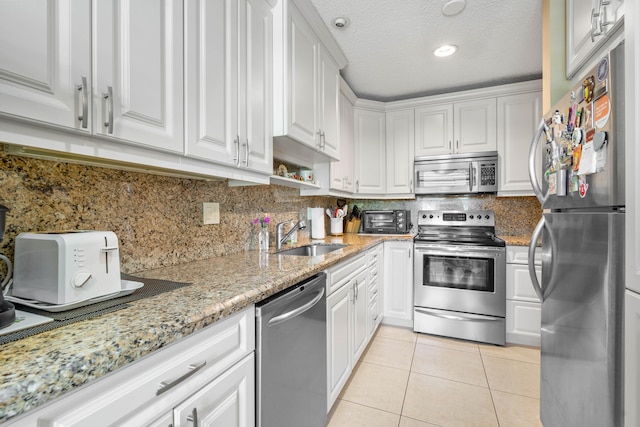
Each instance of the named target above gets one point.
<point>337,226</point>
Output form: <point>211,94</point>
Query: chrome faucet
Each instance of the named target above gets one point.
<point>280,238</point>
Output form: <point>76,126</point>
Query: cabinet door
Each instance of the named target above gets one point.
<point>398,283</point>
<point>370,152</point>
<point>632,356</point>
<point>434,130</point>
<point>475,126</point>
<point>255,101</point>
<point>339,330</point>
<point>582,39</point>
<point>342,176</point>
<point>523,322</point>
<point>399,151</point>
<point>229,400</point>
<point>360,303</point>
<point>328,91</point>
<point>46,54</point>
<point>518,118</point>
<point>211,81</point>
<point>302,66</point>
<point>138,92</point>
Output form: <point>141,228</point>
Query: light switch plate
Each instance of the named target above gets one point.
<point>210,213</point>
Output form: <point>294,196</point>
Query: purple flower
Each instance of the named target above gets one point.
<point>262,221</point>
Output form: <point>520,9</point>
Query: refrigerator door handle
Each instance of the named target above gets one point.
<point>532,162</point>
<point>532,253</point>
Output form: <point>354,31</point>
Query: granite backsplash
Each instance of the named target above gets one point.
<point>158,218</point>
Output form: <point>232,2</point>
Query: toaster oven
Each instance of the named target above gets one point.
<point>65,267</point>
<point>386,222</point>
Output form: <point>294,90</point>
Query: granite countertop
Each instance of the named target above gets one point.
<point>517,240</point>
<point>39,368</point>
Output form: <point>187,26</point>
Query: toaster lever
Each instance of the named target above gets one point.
<point>81,279</point>
<point>109,249</point>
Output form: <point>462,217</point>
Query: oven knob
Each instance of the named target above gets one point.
<point>424,216</point>
<point>486,217</point>
<point>470,216</point>
<point>431,216</point>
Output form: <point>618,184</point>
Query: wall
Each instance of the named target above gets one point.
<point>158,219</point>
<point>515,216</point>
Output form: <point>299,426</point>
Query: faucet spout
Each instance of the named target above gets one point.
<point>280,238</point>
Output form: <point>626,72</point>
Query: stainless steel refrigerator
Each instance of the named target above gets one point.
<point>581,144</point>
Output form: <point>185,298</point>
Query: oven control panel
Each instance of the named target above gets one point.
<point>481,217</point>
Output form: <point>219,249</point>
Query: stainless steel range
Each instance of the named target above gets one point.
<point>460,276</point>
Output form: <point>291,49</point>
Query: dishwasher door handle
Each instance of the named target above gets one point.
<point>296,311</point>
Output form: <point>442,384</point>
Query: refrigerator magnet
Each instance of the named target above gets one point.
<point>588,86</point>
<point>577,154</point>
<point>583,186</point>
<point>588,116</point>
<point>603,69</point>
<point>602,111</point>
<point>574,182</point>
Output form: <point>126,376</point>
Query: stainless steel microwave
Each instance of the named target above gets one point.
<point>386,222</point>
<point>457,173</point>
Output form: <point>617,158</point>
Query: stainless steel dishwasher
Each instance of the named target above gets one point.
<point>291,356</point>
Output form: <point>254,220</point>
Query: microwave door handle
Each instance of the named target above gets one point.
<point>470,177</point>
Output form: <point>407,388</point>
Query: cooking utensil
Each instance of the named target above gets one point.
<point>328,212</point>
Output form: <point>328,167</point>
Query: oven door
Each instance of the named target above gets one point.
<point>468,279</point>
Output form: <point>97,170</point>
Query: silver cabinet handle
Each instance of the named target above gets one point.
<point>411,185</point>
<point>193,368</point>
<point>108,99</point>
<point>450,146</point>
<point>193,417</point>
<point>457,146</point>
<point>357,185</point>
<point>84,116</point>
<point>246,153</point>
<point>323,140</point>
<point>236,142</point>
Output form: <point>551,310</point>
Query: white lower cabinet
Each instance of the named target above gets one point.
<point>523,304</point>
<point>398,283</point>
<point>349,328</point>
<point>209,375</point>
<point>376,277</point>
<point>227,401</point>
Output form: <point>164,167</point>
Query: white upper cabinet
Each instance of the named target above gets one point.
<point>434,130</point>
<point>45,65</point>
<point>474,126</point>
<point>400,151</point>
<point>518,118</point>
<point>589,24</point>
<point>342,172</point>
<point>228,83</point>
<point>329,109</point>
<point>134,48</point>
<point>138,63</point>
<point>461,127</point>
<point>306,84</point>
<point>370,151</point>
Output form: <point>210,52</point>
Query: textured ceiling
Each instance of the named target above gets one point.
<point>389,45</point>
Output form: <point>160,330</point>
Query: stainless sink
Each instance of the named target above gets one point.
<point>312,250</point>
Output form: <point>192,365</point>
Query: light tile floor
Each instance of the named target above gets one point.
<point>405,379</point>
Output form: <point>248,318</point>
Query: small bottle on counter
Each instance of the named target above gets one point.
<point>293,238</point>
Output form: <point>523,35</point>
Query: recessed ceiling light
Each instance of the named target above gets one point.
<point>445,50</point>
<point>341,22</point>
<point>453,7</point>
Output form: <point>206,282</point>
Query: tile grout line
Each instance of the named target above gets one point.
<point>406,387</point>
<point>493,402</point>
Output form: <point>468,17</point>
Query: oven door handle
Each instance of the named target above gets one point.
<point>490,253</point>
<point>537,232</point>
<point>454,317</point>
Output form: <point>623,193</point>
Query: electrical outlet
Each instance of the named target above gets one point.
<point>210,213</point>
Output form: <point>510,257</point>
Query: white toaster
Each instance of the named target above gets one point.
<point>65,267</point>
